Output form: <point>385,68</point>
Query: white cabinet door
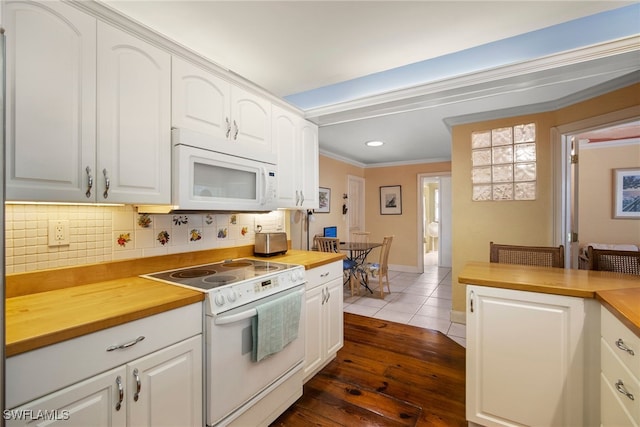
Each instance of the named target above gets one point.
<point>324,317</point>
<point>314,330</point>
<point>134,132</point>
<point>236,121</point>
<point>284,136</point>
<point>297,145</point>
<point>524,358</point>
<point>165,387</point>
<point>309,159</point>
<point>99,401</point>
<point>200,101</point>
<point>251,124</point>
<point>334,317</point>
<point>51,101</point>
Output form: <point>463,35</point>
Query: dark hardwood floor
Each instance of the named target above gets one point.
<point>387,374</point>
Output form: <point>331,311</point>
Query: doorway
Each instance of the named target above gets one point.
<point>434,221</point>
<point>602,137</point>
<point>354,203</point>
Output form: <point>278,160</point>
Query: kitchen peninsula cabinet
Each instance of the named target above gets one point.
<point>236,121</point>
<point>620,373</point>
<point>114,377</point>
<point>525,358</point>
<point>298,159</point>
<point>324,317</point>
<point>88,117</point>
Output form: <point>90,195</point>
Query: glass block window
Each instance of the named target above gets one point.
<point>504,163</point>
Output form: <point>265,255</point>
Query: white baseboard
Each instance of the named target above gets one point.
<point>458,317</point>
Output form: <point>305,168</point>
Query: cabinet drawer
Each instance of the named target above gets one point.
<point>613,413</point>
<point>618,337</point>
<point>42,371</point>
<point>621,381</point>
<point>319,275</point>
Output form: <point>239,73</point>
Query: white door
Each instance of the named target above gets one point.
<point>333,316</point>
<point>99,401</point>
<point>134,120</point>
<point>355,204</point>
<point>50,61</point>
<point>165,387</point>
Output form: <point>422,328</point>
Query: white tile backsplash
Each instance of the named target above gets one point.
<point>96,230</point>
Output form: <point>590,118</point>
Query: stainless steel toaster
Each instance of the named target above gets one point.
<point>269,244</point>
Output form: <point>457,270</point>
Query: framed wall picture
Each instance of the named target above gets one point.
<point>626,193</point>
<point>324,200</point>
<point>391,200</point>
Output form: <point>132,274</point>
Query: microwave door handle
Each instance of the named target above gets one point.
<point>263,198</point>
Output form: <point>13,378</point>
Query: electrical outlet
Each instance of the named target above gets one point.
<point>58,232</point>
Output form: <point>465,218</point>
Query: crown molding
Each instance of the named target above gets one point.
<point>474,85</point>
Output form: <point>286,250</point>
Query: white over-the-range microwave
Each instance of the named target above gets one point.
<point>203,179</point>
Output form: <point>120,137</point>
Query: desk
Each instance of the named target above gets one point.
<point>358,252</point>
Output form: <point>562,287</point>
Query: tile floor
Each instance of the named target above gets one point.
<point>422,300</point>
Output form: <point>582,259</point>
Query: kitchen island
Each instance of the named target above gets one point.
<point>542,350</point>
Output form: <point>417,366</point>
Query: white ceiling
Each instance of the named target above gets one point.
<point>288,47</point>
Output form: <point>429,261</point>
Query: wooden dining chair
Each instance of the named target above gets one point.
<point>545,256</point>
<point>327,244</point>
<point>627,262</point>
<point>380,270</point>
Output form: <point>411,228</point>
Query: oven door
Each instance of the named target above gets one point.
<point>233,379</point>
<point>206,180</point>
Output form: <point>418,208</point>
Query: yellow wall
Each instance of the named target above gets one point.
<point>596,223</point>
<point>404,252</point>
<point>475,224</point>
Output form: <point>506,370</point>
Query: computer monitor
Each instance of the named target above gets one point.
<point>330,231</point>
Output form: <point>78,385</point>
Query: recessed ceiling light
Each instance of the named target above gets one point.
<point>374,143</point>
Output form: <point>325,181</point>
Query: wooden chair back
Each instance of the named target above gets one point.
<point>612,260</point>
<point>328,244</point>
<point>545,256</point>
<point>381,269</point>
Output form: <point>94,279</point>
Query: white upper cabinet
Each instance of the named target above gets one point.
<point>297,142</point>
<point>88,108</point>
<point>134,135</point>
<point>238,121</point>
<point>51,101</point>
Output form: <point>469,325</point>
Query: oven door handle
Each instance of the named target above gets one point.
<point>247,314</point>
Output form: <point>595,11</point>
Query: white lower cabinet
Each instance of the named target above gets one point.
<point>525,361</point>
<point>620,375</point>
<point>122,381</point>
<point>324,317</point>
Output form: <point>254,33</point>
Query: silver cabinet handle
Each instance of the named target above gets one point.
<point>125,345</point>
<point>107,183</point>
<point>324,274</point>
<point>328,294</point>
<point>228,132</point>
<point>621,388</point>
<point>324,296</point>
<point>622,346</point>
<point>120,393</point>
<point>471,295</point>
<point>89,182</point>
<point>136,395</point>
<point>297,198</point>
<point>301,198</point>
<point>237,129</point>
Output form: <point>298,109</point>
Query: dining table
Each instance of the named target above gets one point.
<point>357,253</point>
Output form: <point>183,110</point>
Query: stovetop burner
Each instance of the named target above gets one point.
<point>210,276</point>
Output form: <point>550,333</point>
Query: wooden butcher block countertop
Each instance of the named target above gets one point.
<point>619,293</point>
<point>46,307</point>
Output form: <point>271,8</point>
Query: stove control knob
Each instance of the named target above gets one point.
<point>219,299</point>
<point>231,295</point>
